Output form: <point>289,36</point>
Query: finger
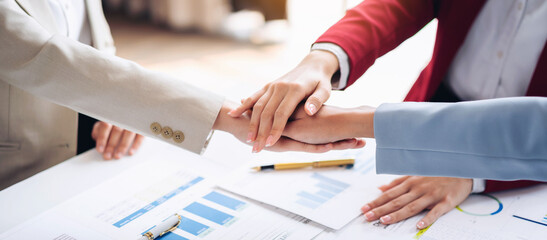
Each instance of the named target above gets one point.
<point>113,140</point>
<point>393,183</point>
<point>408,210</point>
<point>264,137</point>
<point>124,144</point>
<point>391,206</point>
<point>316,100</point>
<point>383,199</point>
<point>248,103</point>
<point>299,113</point>
<point>282,115</point>
<point>435,213</point>
<point>102,131</point>
<point>287,144</point>
<point>255,119</point>
<point>348,144</point>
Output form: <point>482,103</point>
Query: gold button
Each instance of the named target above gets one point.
<point>155,127</point>
<point>167,132</point>
<point>178,136</point>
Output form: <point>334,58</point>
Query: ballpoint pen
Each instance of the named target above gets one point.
<point>166,226</point>
<point>315,164</point>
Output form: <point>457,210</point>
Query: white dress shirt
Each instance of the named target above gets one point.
<point>497,58</point>
<point>71,19</point>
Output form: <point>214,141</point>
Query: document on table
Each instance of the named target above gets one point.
<point>359,228</point>
<point>137,199</point>
<point>519,214</point>
<point>329,196</point>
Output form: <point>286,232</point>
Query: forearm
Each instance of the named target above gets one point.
<point>496,139</point>
<point>105,87</point>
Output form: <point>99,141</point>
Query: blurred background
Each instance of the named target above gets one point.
<point>234,47</point>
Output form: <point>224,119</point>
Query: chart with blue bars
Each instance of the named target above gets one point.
<point>199,219</point>
<point>325,189</point>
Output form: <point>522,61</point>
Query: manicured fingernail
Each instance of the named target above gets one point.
<point>369,215</point>
<point>312,108</point>
<point>365,208</point>
<point>420,225</point>
<point>108,156</point>
<point>100,149</point>
<point>249,137</point>
<point>385,219</point>
<point>118,155</point>
<point>255,148</point>
<point>269,141</point>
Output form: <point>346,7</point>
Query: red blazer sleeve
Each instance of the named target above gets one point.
<point>494,186</point>
<point>376,27</point>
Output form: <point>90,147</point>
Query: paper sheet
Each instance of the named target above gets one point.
<point>492,217</point>
<point>329,196</point>
<point>361,229</point>
<point>131,203</point>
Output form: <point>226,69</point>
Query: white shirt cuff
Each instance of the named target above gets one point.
<point>342,81</point>
<point>478,185</point>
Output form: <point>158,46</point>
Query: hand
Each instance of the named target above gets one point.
<point>331,124</point>
<point>408,196</point>
<point>113,141</point>
<point>238,127</point>
<point>274,103</point>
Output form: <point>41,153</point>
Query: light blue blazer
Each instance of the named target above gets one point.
<point>500,139</point>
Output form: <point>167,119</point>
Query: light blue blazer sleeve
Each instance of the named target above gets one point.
<point>501,139</point>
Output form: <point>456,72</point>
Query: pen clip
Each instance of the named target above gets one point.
<point>172,228</point>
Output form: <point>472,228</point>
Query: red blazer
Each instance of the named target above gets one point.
<point>376,27</point>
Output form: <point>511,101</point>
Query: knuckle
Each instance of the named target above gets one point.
<point>280,114</point>
<point>397,204</point>
<point>258,106</point>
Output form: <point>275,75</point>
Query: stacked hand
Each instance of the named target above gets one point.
<point>115,142</point>
<point>276,115</point>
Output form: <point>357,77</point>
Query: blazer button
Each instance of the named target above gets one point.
<point>178,136</point>
<point>167,132</point>
<point>156,128</point>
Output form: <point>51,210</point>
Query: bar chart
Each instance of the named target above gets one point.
<point>323,190</point>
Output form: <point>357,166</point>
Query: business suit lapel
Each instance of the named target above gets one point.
<point>40,11</point>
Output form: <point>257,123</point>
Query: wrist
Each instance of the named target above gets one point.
<point>363,121</point>
<point>322,61</point>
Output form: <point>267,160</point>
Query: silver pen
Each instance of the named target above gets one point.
<point>166,226</point>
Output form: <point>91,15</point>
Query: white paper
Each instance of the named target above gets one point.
<point>329,196</point>
<point>480,217</point>
<point>361,229</point>
<point>131,203</point>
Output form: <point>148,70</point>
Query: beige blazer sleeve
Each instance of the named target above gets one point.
<point>106,87</point>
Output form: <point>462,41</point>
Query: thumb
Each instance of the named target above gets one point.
<point>316,100</point>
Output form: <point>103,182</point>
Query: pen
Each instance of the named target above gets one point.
<point>168,225</point>
<point>315,164</point>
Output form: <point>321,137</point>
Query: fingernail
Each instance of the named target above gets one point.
<point>255,148</point>
<point>312,108</point>
<point>269,141</point>
<point>100,149</point>
<point>420,225</point>
<point>385,219</point>
<point>118,155</point>
<point>369,215</point>
<point>249,137</point>
<point>108,156</point>
<point>131,152</point>
<point>365,208</point>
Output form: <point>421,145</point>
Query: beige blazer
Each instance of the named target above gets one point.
<point>46,77</point>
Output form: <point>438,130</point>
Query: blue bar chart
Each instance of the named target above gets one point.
<point>224,200</point>
<point>193,227</point>
<point>209,213</point>
<point>156,203</point>
<point>325,189</point>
